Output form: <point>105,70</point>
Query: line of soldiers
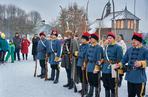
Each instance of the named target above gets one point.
<point>88,63</point>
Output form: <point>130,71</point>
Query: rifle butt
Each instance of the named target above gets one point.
<point>35,68</point>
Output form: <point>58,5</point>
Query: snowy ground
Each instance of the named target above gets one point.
<point>16,80</point>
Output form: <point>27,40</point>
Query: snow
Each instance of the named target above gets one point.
<point>16,80</point>
<point>105,23</point>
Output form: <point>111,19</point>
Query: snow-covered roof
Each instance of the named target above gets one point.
<point>44,28</point>
<point>92,30</point>
<point>125,14</point>
<point>107,21</point>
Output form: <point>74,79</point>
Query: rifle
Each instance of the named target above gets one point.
<point>35,68</point>
<point>99,78</point>
<point>116,84</point>
<point>84,79</point>
<point>75,79</point>
<point>99,83</point>
<point>115,74</point>
<point>46,68</point>
<point>83,84</point>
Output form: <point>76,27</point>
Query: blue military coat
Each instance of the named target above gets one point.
<point>114,53</point>
<point>82,53</point>
<point>135,75</point>
<point>94,54</point>
<point>42,49</point>
<point>54,51</point>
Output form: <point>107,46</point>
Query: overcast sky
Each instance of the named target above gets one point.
<point>49,9</point>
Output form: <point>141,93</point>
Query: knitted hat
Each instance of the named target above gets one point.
<point>95,36</point>
<point>137,36</point>
<point>112,34</point>
<point>42,33</point>
<point>85,35</point>
<point>3,35</point>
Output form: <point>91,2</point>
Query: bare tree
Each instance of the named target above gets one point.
<point>72,18</point>
<point>14,19</point>
<point>34,17</point>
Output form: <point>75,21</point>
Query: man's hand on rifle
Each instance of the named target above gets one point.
<point>84,66</point>
<point>57,59</point>
<point>117,66</point>
<point>96,69</point>
<point>141,64</point>
<point>46,59</point>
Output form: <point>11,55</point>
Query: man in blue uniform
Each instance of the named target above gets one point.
<point>112,54</point>
<point>54,56</point>
<point>94,56</point>
<point>41,53</point>
<point>80,64</point>
<point>136,57</point>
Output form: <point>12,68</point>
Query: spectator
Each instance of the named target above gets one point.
<point>17,43</point>
<point>4,47</point>
<point>35,40</point>
<point>24,47</point>
<point>120,42</point>
<point>10,52</point>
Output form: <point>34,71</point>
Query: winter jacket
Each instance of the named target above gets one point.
<point>17,42</point>
<point>34,45</point>
<point>135,75</point>
<point>123,45</point>
<point>4,46</point>
<point>82,53</point>
<point>24,46</point>
<point>42,49</point>
<point>55,51</point>
<point>94,54</point>
<point>113,53</point>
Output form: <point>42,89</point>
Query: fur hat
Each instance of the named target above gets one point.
<point>95,36</point>
<point>112,34</point>
<point>54,32</point>
<point>42,33</point>
<point>137,36</point>
<point>85,35</point>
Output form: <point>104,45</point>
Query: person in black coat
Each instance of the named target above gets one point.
<point>17,42</point>
<point>35,40</point>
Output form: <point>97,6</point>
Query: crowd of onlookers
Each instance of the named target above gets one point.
<point>13,47</point>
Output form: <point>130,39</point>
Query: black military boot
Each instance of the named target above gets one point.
<point>39,75</point>
<point>68,83</point>
<point>57,77</point>
<point>71,84</point>
<point>86,89</point>
<point>112,95</point>
<point>75,88</point>
<point>52,75</point>
<point>91,90</point>
<point>107,93</point>
<point>42,76</point>
<point>97,92</point>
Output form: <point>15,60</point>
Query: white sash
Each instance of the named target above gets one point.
<point>43,44</point>
<point>113,72</point>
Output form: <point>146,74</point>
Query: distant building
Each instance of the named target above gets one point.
<point>125,23</point>
<point>42,27</point>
